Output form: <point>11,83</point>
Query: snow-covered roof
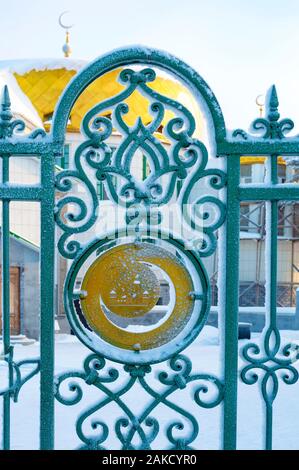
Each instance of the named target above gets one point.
<point>22,66</point>
<point>20,103</point>
<point>35,86</point>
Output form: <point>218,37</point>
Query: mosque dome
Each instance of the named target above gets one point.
<point>42,82</point>
<point>35,86</point>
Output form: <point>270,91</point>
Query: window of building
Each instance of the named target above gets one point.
<point>296,220</point>
<point>101,189</point>
<point>244,217</point>
<point>246,174</point>
<point>48,118</point>
<point>145,168</point>
<point>66,156</point>
<point>281,220</point>
<point>64,161</point>
<point>281,173</point>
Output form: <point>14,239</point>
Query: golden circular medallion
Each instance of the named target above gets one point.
<point>123,283</point>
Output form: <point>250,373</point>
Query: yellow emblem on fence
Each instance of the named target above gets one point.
<point>123,284</point>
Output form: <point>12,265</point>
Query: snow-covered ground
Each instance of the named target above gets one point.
<point>205,354</point>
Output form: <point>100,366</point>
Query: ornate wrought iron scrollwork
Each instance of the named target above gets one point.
<point>15,378</point>
<point>270,362</point>
<point>185,154</point>
<point>173,154</point>
<point>97,373</point>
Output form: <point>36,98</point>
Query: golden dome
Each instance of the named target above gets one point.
<point>43,82</point>
<point>44,87</point>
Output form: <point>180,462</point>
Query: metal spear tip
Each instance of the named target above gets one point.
<point>273,97</point>
<point>272,104</point>
<point>5,101</point>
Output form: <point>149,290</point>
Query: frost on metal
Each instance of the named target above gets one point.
<point>135,430</point>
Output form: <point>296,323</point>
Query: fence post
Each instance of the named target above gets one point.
<point>231,306</point>
<point>47,304</point>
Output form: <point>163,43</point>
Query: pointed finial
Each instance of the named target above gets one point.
<point>5,98</point>
<point>66,48</point>
<point>5,114</point>
<point>272,105</point>
<point>272,126</point>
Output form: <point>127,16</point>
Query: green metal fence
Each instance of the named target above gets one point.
<point>185,161</point>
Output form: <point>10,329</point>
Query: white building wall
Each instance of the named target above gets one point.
<point>25,216</point>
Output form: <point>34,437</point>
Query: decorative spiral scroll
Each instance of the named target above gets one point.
<point>144,426</point>
<point>272,361</point>
<point>185,155</point>
<point>18,379</point>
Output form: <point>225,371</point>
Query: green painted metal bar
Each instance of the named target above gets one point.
<point>25,193</point>
<point>278,192</point>
<point>47,305</point>
<point>5,300</point>
<point>231,306</point>
<point>24,147</point>
<point>271,279</point>
<point>258,147</point>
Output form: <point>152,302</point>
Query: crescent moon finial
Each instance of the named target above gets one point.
<point>260,102</point>
<point>63,25</point>
<point>66,47</point>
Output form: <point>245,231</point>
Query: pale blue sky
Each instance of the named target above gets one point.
<point>240,47</point>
